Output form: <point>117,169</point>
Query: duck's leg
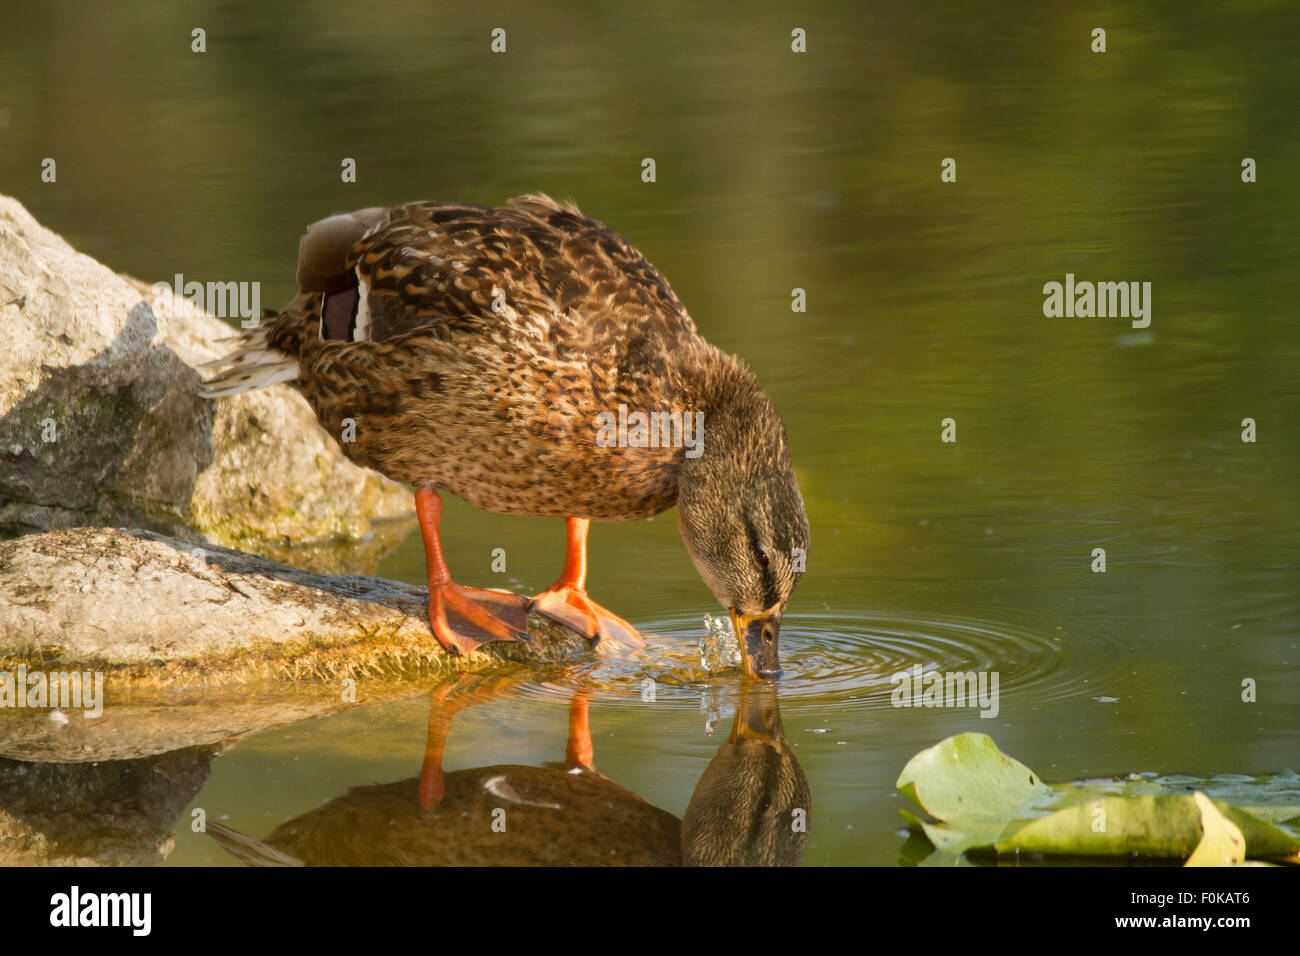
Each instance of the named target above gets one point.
<point>578,751</point>
<point>433,786</point>
<point>463,618</point>
<point>448,699</point>
<point>566,600</point>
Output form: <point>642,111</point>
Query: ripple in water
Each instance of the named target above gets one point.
<point>840,658</point>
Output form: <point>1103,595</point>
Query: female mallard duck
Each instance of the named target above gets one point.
<point>490,352</point>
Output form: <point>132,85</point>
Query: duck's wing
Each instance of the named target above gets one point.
<point>534,270</point>
<point>532,264</point>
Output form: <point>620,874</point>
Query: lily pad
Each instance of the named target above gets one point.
<point>1222,843</point>
<point>980,798</point>
<point>967,775</point>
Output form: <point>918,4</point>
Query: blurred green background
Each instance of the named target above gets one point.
<point>818,171</point>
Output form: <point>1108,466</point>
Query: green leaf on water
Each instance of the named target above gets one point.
<point>982,799</point>
<point>968,776</point>
<point>1221,842</point>
<point>1167,825</point>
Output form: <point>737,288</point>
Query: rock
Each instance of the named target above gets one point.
<point>100,423</point>
<point>149,606</point>
<point>119,813</point>
<point>200,644</point>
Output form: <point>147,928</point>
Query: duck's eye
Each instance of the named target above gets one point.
<point>762,558</point>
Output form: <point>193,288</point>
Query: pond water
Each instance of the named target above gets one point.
<point>818,171</point>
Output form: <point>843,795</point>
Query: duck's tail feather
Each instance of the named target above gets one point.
<point>248,379</point>
<point>265,355</point>
<point>333,304</point>
<point>247,850</point>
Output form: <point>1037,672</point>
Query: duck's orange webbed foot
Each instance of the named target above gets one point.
<point>566,600</point>
<point>571,607</point>
<point>463,618</point>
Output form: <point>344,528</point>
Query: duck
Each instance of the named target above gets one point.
<point>529,360</point>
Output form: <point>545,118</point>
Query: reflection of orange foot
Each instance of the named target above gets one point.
<point>463,618</point>
<point>566,600</point>
<point>571,607</point>
<point>432,787</point>
<point>448,699</point>
<point>578,752</point>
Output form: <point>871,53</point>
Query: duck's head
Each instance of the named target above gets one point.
<point>742,519</point>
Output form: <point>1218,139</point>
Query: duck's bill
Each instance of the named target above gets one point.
<point>757,635</point>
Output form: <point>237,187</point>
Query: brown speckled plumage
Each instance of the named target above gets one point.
<point>500,407</point>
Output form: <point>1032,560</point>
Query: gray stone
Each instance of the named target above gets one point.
<point>200,644</point>
<point>100,423</point>
<point>116,813</point>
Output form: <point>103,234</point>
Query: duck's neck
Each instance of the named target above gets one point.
<point>742,434</point>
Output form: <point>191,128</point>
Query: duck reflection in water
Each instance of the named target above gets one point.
<point>751,807</point>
